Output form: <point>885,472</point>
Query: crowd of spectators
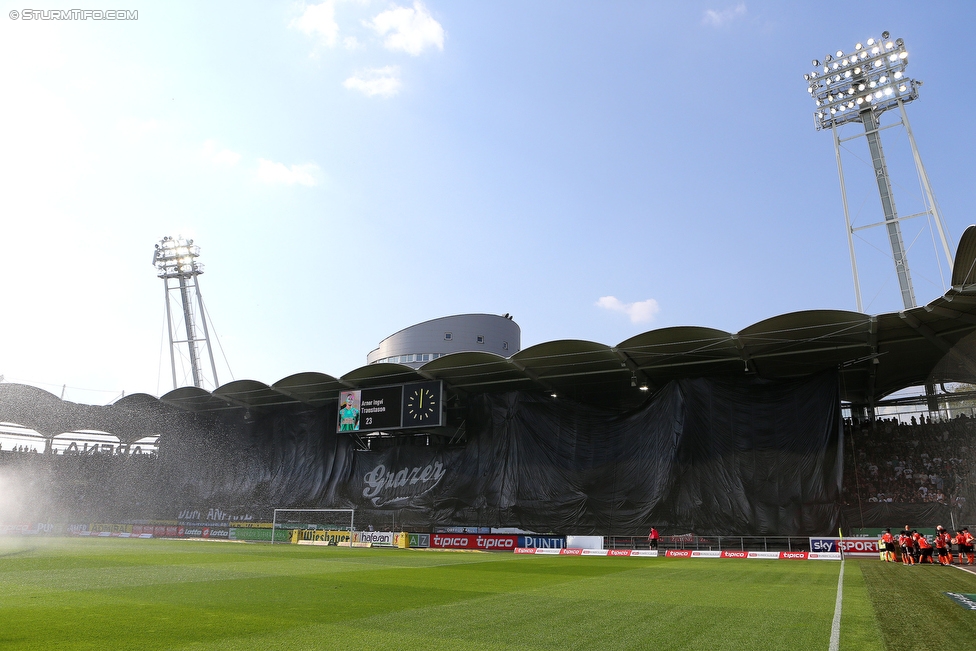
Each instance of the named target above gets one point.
<point>915,461</point>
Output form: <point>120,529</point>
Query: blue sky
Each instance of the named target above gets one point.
<point>349,168</point>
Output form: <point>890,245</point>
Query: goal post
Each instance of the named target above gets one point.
<point>313,520</point>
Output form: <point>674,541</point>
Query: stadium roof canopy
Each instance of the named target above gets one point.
<point>875,356</point>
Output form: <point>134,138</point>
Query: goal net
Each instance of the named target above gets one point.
<point>319,526</point>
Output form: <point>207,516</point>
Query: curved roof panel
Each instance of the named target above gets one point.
<point>964,266</point>
<point>138,402</point>
<point>556,359</point>
<point>376,375</point>
<point>474,372</point>
<point>193,399</point>
<point>310,388</point>
<point>801,343</point>
<point>251,394</point>
<point>683,351</point>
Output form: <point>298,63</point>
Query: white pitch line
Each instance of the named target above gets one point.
<point>965,569</point>
<point>835,626</point>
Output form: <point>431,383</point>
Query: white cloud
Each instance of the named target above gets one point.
<point>639,312</point>
<point>351,43</point>
<point>410,30</point>
<point>219,157</point>
<point>719,18</point>
<point>384,82</point>
<point>272,172</point>
<point>319,20</point>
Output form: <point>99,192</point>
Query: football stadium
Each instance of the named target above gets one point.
<point>758,458</point>
<point>808,482</point>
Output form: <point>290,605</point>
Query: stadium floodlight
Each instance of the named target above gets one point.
<point>869,77</point>
<point>859,86</point>
<point>175,259</point>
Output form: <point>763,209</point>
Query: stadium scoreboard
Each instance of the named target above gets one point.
<point>402,406</point>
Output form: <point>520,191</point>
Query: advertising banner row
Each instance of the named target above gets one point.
<point>795,556</point>
<point>825,548</point>
<point>152,531</point>
<point>481,542</point>
<point>652,553</point>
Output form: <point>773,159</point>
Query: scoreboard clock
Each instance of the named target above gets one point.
<point>422,404</point>
<point>400,406</point>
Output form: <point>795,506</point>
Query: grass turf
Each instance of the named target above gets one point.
<point>154,594</point>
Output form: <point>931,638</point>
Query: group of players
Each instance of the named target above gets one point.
<point>916,548</point>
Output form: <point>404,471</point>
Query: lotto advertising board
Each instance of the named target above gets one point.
<point>203,532</point>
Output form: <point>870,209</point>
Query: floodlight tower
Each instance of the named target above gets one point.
<point>859,87</point>
<point>175,260</point>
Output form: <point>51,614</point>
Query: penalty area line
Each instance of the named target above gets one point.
<point>838,605</point>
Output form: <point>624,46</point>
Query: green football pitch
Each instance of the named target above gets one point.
<point>157,594</point>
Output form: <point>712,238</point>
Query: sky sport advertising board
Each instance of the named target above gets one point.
<point>860,546</point>
<point>402,406</point>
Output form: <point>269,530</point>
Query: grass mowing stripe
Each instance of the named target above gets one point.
<point>859,622</point>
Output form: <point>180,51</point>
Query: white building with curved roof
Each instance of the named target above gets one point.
<point>423,342</point>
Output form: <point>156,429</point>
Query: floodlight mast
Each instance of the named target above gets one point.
<point>859,87</point>
<point>176,259</point>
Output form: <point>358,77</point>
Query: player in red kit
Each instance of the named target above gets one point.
<point>942,545</point>
<point>889,546</point>
<point>905,542</point>
<point>652,538</point>
<point>924,548</point>
<point>966,546</point>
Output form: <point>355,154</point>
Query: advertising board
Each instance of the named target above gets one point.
<point>585,542</point>
<point>794,556</point>
<point>487,542</point>
<point>377,538</point>
<point>542,542</point>
<point>857,546</point>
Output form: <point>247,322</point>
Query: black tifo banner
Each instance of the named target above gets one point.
<point>712,456</point>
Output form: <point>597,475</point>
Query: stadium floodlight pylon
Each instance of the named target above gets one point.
<point>175,259</point>
<point>330,519</point>
<point>858,87</point>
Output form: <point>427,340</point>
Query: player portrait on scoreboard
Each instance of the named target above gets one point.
<point>349,402</point>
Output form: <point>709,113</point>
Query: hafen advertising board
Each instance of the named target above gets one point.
<point>376,538</point>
